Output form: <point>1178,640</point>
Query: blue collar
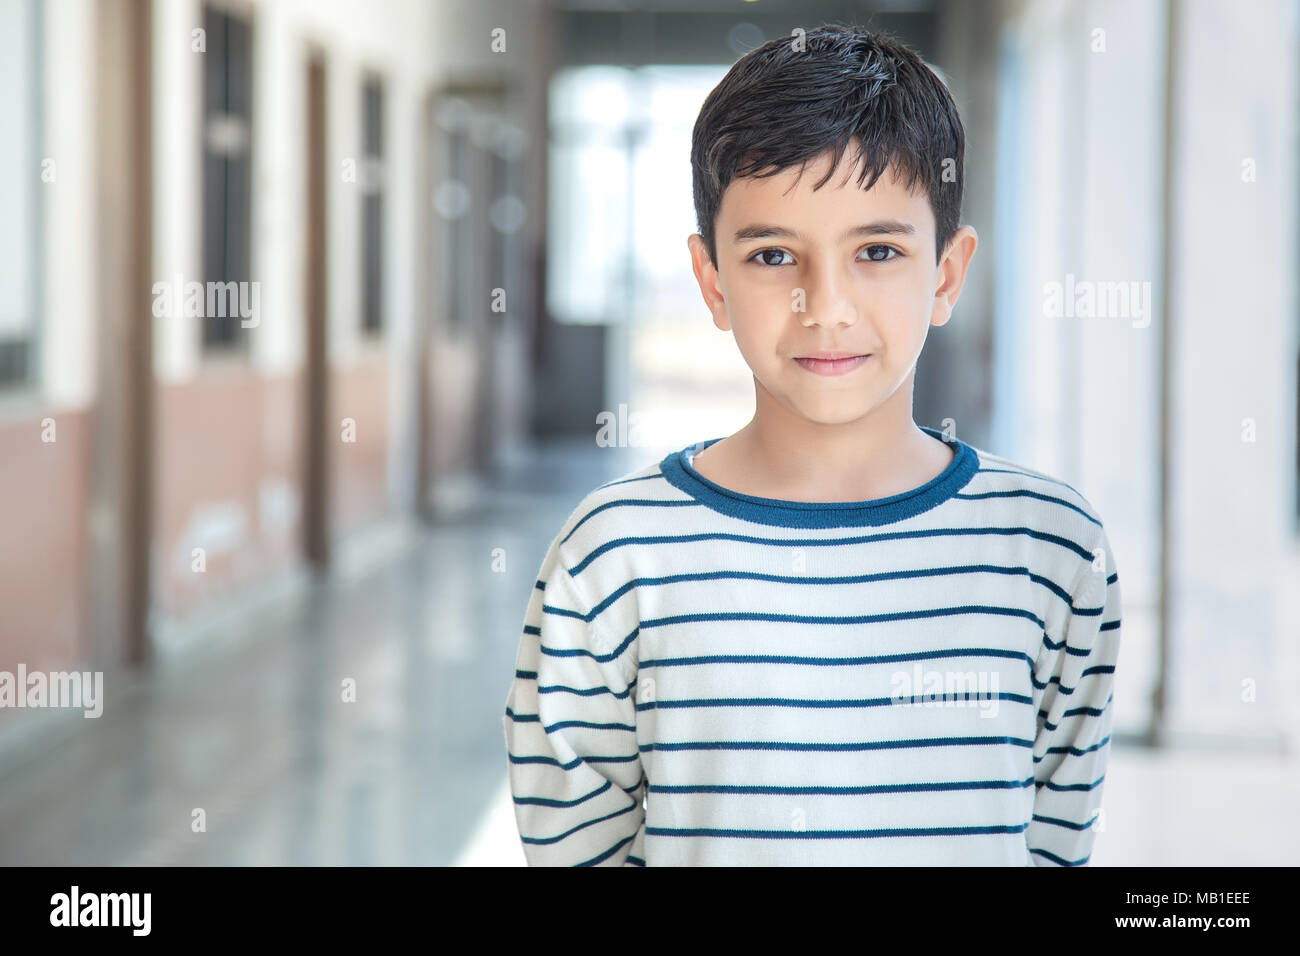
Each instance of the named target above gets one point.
<point>817,514</point>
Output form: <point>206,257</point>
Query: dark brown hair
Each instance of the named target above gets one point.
<point>781,106</point>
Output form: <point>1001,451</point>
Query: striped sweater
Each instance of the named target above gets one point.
<point>712,678</point>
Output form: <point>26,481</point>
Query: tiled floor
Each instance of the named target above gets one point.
<point>253,730</point>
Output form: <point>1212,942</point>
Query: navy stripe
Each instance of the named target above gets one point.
<point>1075,711</point>
<point>601,858</point>
<point>575,762</point>
<point>834,661</point>
<point>544,802</point>
<point>624,542</point>
<point>627,481</point>
<point>1075,751</point>
<point>551,761</point>
<point>850,791</point>
<point>581,691</point>
<point>583,652</point>
<point>560,725</point>
<point>1089,711</point>
<point>628,502</point>
<point>1026,493</point>
<point>777,701</point>
<point>833,834</point>
<point>835,746</point>
<point>1056,589</point>
<point>844,619</point>
<point>798,702</point>
<point>1028,474</point>
<point>1068,824</point>
<point>1101,669</point>
<point>1055,646</point>
<point>1074,786</point>
<point>839,579</point>
<point>1056,859</point>
<point>544,841</point>
<point>565,612</point>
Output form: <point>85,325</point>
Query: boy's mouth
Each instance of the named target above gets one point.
<point>831,363</point>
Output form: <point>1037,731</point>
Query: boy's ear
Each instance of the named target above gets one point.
<point>706,274</point>
<point>952,273</point>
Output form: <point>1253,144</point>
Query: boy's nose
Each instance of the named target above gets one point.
<point>827,300</point>
<point>829,311</point>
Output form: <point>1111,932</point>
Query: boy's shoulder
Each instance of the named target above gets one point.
<point>616,508</point>
<point>1037,492</point>
<point>998,470</point>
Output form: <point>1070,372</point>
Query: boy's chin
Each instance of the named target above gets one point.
<point>832,410</point>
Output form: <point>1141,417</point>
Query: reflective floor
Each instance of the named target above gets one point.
<point>251,728</point>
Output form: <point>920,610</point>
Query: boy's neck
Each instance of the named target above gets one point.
<point>881,454</point>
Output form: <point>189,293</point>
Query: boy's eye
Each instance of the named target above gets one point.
<point>875,253</point>
<point>767,252</point>
<point>879,248</point>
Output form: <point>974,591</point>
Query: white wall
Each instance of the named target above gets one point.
<point>68,326</point>
<point>1234,299</point>
<point>1081,194</point>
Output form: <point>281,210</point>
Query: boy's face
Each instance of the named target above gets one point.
<point>801,271</point>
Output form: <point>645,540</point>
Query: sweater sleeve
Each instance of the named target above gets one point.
<point>1074,679</point>
<point>570,728</point>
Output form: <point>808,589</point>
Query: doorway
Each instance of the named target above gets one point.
<point>316,376</point>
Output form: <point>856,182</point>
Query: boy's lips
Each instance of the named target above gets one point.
<point>832,354</point>
<point>831,363</point>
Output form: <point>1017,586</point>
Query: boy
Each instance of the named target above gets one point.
<point>834,637</point>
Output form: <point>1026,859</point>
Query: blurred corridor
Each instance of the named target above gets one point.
<point>319,318</point>
<point>249,726</point>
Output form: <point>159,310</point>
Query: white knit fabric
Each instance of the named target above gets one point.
<point>708,678</point>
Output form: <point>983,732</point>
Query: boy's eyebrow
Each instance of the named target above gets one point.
<point>887,227</point>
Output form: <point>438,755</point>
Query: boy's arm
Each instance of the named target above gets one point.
<point>1072,745</point>
<point>570,727</point>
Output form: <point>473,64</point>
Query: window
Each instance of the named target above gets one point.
<point>372,205</point>
<point>620,201</point>
<point>22,179</point>
<point>453,201</point>
<point>503,225</point>
<point>508,212</point>
<point>592,132</point>
<point>227,168</point>
<point>477,202</point>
